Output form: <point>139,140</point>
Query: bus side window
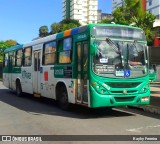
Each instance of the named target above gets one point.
<point>6,60</point>
<point>18,59</point>
<point>13,59</point>
<point>85,57</point>
<point>65,50</point>
<point>49,53</point>
<point>27,56</point>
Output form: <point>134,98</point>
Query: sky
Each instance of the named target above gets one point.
<point>20,20</point>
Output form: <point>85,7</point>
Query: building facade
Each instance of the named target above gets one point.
<point>153,6</point>
<point>102,16</point>
<point>83,10</point>
<point>116,3</point>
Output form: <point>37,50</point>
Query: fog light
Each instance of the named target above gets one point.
<point>145,99</point>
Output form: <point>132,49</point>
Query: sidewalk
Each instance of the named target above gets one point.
<point>154,106</point>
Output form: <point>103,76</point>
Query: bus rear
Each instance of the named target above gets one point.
<point>119,66</point>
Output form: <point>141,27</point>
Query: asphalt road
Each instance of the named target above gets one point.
<point>32,116</point>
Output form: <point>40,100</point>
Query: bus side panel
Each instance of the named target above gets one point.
<point>48,82</point>
<point>26,81</point>
<point>5,78</point>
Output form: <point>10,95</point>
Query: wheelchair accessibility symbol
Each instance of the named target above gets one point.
<point>127,73</point>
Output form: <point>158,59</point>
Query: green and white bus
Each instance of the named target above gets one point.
<point>97,65</point>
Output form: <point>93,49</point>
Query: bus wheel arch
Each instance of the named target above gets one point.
<point>18,88</point>
<point>62,96</point>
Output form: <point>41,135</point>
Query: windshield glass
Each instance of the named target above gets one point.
<point>119,58</point>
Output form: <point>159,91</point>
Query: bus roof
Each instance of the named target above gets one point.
<point>60,35</point>
<point>13,48</point>
<point>66,33</point>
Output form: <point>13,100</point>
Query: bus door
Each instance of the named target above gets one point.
<point>82,68</point>
<point>36,72</point>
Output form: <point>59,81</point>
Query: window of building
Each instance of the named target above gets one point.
<point>49,53</point>
<point>28,56</point>
<point>18,58</point>
<point>150,2</point>
<point>65,50</point>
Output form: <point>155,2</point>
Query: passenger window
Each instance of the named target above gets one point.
<point>65,50</point>
<point>6,60</point>
<point>49,53</point>
<point>27,56</point>
<point>19,56</point>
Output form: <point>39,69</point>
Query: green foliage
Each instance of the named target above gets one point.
<point>4,45</point>
<point>11,42</point>
<point>120,16</point>
<point>43,31</point>
<point>56,28</point>
<point>146,23</point>
<point>68,26</point>
<point>132,12</point>
<point>107,20</point>
<point>69,21</point>
<point>59,27</point>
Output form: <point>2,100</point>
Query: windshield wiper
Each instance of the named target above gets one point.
<point>113,46</point>
<point>117,50</point>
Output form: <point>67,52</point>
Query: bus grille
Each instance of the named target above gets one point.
<point>121,92</point>
<point>124,99</point>
<point>123,85</point>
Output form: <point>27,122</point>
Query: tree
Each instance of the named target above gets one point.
<point>68,26</point>
<point>43,31</point>
<point>4,45</point>
<point>132,12</point>
<point>11,42</point>
<point>64,25</point>
<point>73,21</point>
<point>107,20</point>
<point>56,28</point>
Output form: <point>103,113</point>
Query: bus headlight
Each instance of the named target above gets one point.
<point>99,88</point>
<point>145,89</point>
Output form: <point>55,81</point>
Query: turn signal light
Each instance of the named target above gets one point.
<point>145,99</point>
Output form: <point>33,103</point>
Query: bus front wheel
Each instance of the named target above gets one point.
<point>18,89</point>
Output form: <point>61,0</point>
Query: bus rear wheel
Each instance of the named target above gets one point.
<point>18,89</point>
<point>63,99</point>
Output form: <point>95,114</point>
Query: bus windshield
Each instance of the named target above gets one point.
<point>114,57</point>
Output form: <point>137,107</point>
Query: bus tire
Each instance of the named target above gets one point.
<point>18,89</point>
<point>63,98</point>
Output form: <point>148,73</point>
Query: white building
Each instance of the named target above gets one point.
<point>83,10</point>
<point>152,6</point>
<point>116,3</point>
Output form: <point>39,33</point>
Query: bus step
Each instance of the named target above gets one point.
<point>37,95</point>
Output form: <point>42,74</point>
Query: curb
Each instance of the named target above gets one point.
<point>150,108</point>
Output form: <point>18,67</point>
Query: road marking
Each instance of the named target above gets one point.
<point>138,130</point>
